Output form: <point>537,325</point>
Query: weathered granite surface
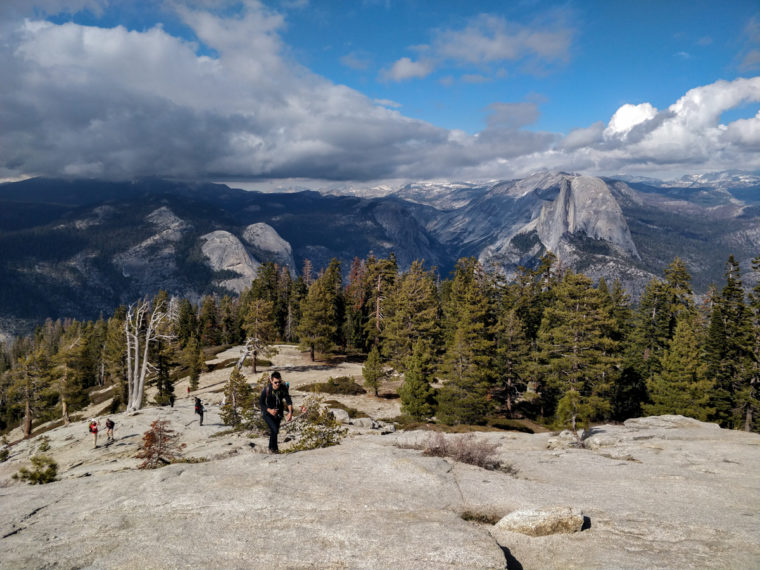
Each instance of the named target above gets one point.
<point>665,492</point>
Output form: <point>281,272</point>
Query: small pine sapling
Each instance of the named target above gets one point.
<point>159,446</point>
<point>44,470</point>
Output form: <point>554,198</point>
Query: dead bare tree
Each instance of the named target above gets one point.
<point>254,347</point>
<point>143,326</point>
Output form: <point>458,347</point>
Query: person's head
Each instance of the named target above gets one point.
<point>275,379</point>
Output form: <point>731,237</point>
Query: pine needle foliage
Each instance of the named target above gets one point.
<point>44,470</point>
<point>159,446</point>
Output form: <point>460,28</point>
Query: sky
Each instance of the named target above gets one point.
<point>368,92</point>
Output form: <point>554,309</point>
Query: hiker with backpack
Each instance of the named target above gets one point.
<point>93,427</point>
<point>273,401</point>
<point>109,429</point>
<point>199,408</point>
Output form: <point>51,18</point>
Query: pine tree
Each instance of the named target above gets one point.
<point>373,371</point>
<point>681,387</point>
<point>321,316</point>
<point>380,277</point>
<point>748,396</point>
<point>68,373</point>
<point>193,359</point>
<point>466,366</point>
<point>417,396</point>
<point>208,322</point>
<point>412,314</point>
<point>356,298</point>
<point>31,381</point>
<point>730,349</point>
<point>187,323</point>
<point>259,326</point>
<point>511,357</point>
<point>573,351</point>
<point>239,400</point>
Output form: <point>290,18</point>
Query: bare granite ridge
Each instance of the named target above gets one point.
<point>659,492</point>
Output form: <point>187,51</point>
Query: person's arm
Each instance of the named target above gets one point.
<point>263,404</point>
<point>289,403</point>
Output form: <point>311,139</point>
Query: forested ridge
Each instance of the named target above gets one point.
<point>550,345</point>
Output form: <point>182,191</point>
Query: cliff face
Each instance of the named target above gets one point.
<point>81,248</point>
<point>585,206</point>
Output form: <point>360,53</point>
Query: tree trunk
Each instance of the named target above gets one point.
<point>27,420</point>
<point>65,411</point>
<point>748,419</point>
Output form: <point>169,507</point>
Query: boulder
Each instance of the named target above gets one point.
<point>540,522</point>
<point>340,415</point>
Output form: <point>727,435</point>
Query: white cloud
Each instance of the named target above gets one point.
<point>627,117</point>
<point>405,69</point>
<point>489,38</point>
<point>89,101</point>
<point>388,103</point>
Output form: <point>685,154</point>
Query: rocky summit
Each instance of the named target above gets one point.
<point>660,492</point>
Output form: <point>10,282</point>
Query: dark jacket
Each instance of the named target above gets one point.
<point>277,399</point>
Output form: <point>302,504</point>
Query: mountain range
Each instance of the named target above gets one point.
<point>79,248</point>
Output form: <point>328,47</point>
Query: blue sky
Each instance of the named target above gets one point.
<point>374,91</point>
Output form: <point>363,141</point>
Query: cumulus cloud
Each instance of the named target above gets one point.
<point>627,117</point>
<point>489,38</point>
<point>405,69</point>
<point>87,101</point>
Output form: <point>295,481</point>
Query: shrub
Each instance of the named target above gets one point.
<point>352,412</point>
<point>316,427</point>
<point>465,449</point>
<point>44,444</point>
<point>344,385</point>
<point>481,517</point>
<point>159,446</point>
<point>4,454</point>
<point>44,470</point>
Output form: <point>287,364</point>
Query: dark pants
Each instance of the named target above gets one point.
<point>274,429</point>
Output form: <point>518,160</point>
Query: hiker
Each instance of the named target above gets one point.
<point>274,398</point>
<point>94,431</point>
<point>109,429</point>
<point>199,408</point>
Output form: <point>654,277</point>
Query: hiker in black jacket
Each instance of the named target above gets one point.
<point>274,398</point>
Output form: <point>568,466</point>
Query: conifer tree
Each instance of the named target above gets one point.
<point>466,366</point>
<point>412,314</point>
<point>417,396</point>
<point>574,353</point>
<point>681,387</point>
<point>748,396</point>
<point>239,400</point>
<point>193,359</point>
<point>228,321</point>
<point>31,380</point>
<point>187,323</point>
<point>321,316</point>
<point>356,297</point>
<point>69,370</point>
<point>259,326</point>
<point>730,349</point>
<point>373,370</point>
<point>380,277</point>
<point>512,353</point>
<point>208,322</point>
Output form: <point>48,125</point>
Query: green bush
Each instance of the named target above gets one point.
<point>315,428</point>
<point>352,412</point>
<point>4,453</point>
<point>343,385</point>
<point>44,444</point>
<point>44,470</point>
